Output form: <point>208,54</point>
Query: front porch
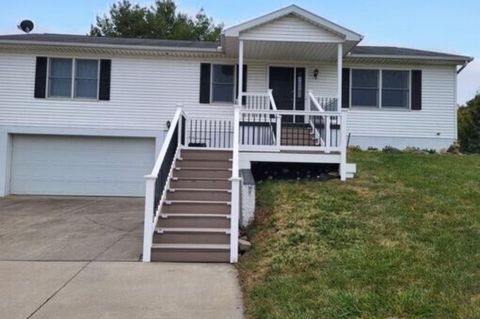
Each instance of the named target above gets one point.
<point>291,112</point>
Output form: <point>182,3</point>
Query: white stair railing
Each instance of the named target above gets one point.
<point>157,182</point>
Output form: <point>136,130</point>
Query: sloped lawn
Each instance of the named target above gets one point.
<point>401,240</point>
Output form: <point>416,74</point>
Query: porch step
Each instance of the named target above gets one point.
<point>202,172</point>
<point>199,194</point>
<point>196,207</point>
<point>194,220</point>
<point>192,235</point>
<point>213,163</point>
<point>206,155</point>
<point>191,252</point>
<point>200,182</point>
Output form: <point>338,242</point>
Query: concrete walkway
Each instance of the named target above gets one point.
<point>77,257</point>
<point>118,290</point>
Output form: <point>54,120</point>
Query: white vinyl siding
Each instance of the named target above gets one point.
<point>145,91</point>
<point>290,28</point>
<point>144,95</point>
<point>69,165</point>
<point>436,120</point>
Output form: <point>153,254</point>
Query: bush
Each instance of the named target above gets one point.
<point>390,149</point>
<point>469,126</point>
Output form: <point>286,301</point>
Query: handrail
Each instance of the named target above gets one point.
<point>166,143</point>
<point>272,100</point>
<point>153,198</point>
<point>315,102</point>
<point>290,112</point>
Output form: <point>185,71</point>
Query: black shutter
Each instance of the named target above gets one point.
<point>416,90</point>
<point>105,74</point>
<point>41,77</point>
<point>345,88</point>
<point>205,74</point>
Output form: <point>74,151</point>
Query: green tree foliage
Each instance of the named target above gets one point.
<point>469,126</point>
<point>160,21</point>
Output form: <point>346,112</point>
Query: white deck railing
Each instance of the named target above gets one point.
<point>258,101</point>
<point>257,126</point>
<point>274,130</point>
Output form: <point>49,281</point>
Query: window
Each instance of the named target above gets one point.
<point>223,85</point>
<point>395,88</point>
<point>60,78</point>
<point>86,78</point>
<point>365,87</point>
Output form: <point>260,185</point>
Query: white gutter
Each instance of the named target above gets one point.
<point>413,57</point>
<point>110,46</point>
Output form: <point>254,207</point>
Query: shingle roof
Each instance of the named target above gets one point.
<point>85,39</point>
<point>363,50</point>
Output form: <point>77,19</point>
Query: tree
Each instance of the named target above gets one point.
<point>160,21</point>
<point>469,126</point>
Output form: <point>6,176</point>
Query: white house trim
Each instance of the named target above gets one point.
<point>343,32</point>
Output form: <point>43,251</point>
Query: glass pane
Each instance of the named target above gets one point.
<point>223,74</point>
<point>395,98</point>
<point>222,93</point>
<point>86,88</point>
<point>86,69</point>
<point>222,83</point>
<point>395,79</point>
<point>61,68</point>
<point>365,97</point>
<point>365,79</point>
<point>60,87</point>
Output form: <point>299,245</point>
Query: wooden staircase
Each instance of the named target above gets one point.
<point>194,222</point>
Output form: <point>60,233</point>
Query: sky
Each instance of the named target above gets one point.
<point>451,26</point>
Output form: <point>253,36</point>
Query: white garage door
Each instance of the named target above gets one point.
<point>66,165</point>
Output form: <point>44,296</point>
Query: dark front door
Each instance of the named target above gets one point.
<point>281,81</point>
<point>288,85</point>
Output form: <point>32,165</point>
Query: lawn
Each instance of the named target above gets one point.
<point>401,240</point>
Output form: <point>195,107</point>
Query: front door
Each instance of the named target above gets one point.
<point>288,85</point>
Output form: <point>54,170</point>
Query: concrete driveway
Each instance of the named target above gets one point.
<point>71,228</point>
<point>69,258</point>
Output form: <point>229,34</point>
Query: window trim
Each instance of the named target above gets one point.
<point>72,89</point>
<point>380,88</point>
<point>234,83</point>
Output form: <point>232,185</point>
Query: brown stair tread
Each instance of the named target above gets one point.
<point>177,201</point>
<point>199,190</point>
<point>192,246</point>
<point>200,178</point>
<point>192,230</point>
<point>194,215</point>
<point>202,169</point>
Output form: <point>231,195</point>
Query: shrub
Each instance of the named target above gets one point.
<point>390,149</point>
<point>469,126</point>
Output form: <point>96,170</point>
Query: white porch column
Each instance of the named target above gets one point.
<point>240,71</point>
<point>339,76</point>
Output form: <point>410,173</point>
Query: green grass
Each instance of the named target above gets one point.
<point>401,240</point>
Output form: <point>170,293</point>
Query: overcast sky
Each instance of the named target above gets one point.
<point>442,25</point>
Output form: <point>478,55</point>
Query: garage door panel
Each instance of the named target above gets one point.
<point>63,165</point>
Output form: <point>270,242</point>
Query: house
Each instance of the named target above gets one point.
<point>81,115</point>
